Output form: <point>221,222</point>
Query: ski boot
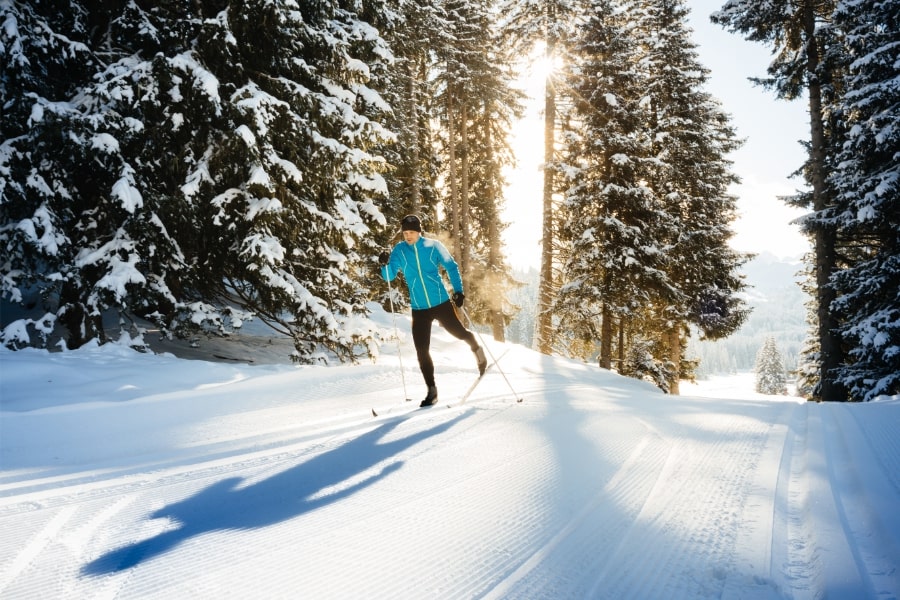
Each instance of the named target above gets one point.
<point>431,397</point>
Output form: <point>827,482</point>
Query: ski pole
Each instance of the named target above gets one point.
<point>493,358</point>
<point>397,335</point>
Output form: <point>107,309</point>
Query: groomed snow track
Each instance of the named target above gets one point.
<point>594,487</point>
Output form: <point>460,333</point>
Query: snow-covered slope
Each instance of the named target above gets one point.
<point>146,476</point>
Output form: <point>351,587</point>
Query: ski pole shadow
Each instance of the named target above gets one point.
<point>225,505</point>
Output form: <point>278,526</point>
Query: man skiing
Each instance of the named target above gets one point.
<point>420,260</point>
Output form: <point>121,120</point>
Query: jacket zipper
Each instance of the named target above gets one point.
<point>421,277</point>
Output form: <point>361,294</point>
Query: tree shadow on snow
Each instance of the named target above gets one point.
<point>225,505</point>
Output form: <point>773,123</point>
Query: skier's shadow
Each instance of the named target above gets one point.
<point>283,496</point>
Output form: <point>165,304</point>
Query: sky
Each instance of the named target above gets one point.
<point>770,127</point>
<point>149,476</point>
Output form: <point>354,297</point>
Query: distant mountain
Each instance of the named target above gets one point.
<point>768,273</point>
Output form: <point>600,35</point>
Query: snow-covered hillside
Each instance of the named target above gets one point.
<point>129,475</point>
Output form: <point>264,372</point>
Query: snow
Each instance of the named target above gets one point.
<point>204,80</point>
<point>125,190</point>
<point>105,143</point>
<point>177,474</point>
<point>195,178</point>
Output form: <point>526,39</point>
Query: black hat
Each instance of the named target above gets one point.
<point>411,223</point>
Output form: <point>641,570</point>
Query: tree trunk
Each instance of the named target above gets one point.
<point>606,333</point>
<point>495,297</point>
<point>545,291</point>
<point>415,193</point>
<point>494,293</point>
<point>463,241</point>
<point>454,192</point>
<point>621,349</point>
<point>831,355</point>
<point>673,342</point>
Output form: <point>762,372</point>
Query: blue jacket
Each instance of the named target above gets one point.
<point>420,264</point>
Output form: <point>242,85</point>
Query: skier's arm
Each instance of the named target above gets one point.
<point>389,271</point>
<point>446,260</point>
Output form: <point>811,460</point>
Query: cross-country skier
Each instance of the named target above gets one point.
<point>420,258</point>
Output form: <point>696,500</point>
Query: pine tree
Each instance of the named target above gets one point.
<point>641,362</point>
<point>867,179</point>
<point>800,37</point>
<point>648,213</point>
<point>411,154</point>
<point>770,375</point>
<point>36,203</point>
<point>476,106</point>
<point>416,28</point>
<point>808,368</point>
<point>692,138</point>
<point>611,263</point>
<point>217,162</point>
<point>89,233</point>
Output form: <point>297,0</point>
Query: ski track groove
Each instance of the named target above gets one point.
<point>836,546</point>
<point>761,543</point>
<point>464,559</point>
<point>303,438</point>
<point>341,538</point>
<point>696,551</point>
<point>786,512</point>
<point>319,420</point>
<point>800,566</point>
<point>582,528</point>
<point>862,513</point>
<point>833,564</point>
<point>35,546</point>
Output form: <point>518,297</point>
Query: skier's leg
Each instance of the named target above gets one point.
<point>421,332</point>
<point>446,316</point>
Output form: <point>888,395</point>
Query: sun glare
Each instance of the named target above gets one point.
<point>540,65</point>
<point>523,195</point>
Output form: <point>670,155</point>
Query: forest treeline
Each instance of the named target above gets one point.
<point>196,164</point>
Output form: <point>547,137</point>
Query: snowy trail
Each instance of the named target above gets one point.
<point>266,483</point>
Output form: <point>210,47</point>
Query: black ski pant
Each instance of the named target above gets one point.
<point>421,331</point>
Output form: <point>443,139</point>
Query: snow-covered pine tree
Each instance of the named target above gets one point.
<point>218,161</point>
<point>411,30</point>
<point>867,179</point>
<point>296,217</point>
<point>641,362</point>
<point>769,369</point>
<point>692,137</point>
<point>612,265</point>
<point>73,222</point>
<point>800,35</point>
<point>415,29</point>
<point>808,364</point>
<point>452,108</point>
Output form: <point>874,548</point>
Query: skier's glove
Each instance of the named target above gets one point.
<point>458,299</point>
<point>384,258</point>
